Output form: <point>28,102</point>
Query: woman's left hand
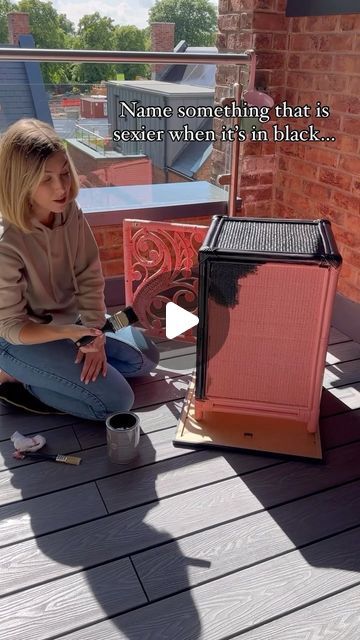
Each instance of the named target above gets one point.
<point>95,361</point>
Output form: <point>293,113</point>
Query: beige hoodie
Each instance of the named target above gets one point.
<point>52,271</point>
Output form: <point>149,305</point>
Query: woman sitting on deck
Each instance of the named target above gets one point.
<point>51,282</point>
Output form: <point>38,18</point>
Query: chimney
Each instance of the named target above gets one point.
<point>18,25</point>
<point>162,39</point>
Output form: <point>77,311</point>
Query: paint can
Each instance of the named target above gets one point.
<point>123,436</point>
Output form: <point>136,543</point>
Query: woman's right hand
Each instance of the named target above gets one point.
<point>76,331</point>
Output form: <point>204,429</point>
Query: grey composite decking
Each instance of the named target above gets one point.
<point>183,544</point>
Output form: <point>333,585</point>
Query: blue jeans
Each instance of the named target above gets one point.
<point>49,372</point>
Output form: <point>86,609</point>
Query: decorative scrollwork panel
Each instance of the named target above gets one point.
<point>161,266</point>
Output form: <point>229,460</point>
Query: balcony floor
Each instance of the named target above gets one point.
<point>183,544</point>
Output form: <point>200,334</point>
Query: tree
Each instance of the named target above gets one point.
<point>66,25</point>
<point>5,7</point>
<point>47,28</point>
<point>95,32</point>
<point>195,20</point>
<point>130,38</point>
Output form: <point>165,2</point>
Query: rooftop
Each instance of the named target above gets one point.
<point>165,88</point>
<point>98,98</point>
<point>149,196</point>
<point>182,543</point>
<point>196,74</point>
<point>22,91</point>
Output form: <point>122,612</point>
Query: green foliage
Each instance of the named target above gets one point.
<point>45,25</point>
<point>195,20</point>
<point>94,32</point>
<point>66,25</point>
<point>5,7</point>
<point>130,38</point>
<point>147,39</point>
<point>47,28</point>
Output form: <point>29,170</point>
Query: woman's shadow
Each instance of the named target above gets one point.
<point>104,557</point>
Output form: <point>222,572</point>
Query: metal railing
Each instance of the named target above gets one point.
<point>92,139</point>
<point>76,55</point>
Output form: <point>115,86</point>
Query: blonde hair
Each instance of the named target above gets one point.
<point>24,148</point>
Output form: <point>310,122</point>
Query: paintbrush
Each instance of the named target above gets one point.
<point>20,455</point>
<point>119,320</point>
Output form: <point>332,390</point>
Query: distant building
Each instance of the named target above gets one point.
<point>22,90</point>
<point>97,168</point>
<point>199,75</point>
<point>194,160</point>
<point>93,106</point>
<point>174,85</point>
<point>164,152</point>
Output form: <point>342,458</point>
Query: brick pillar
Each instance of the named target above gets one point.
<point>321,179</point>
<point>18,25</point>
<point>162,39</point>
<point>262,26</point>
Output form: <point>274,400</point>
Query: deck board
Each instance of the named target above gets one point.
<point>239,601</point>
<point>161,391</point>
<point>235,496</point>
<point>338,429</point>
<point>153,418</point>
<point>343,352</point>
<point>76,600</point>
<point>341,374</point>
<point>331,405</point>
<point>39,478</point>
<point>22,520</point>
<point>238,544</point>
<point>334,618</point>
<point>183,544</point>
<point>175,476</point>
<point>337,336</point>
<point>62,439</point>
<point>349,395</point>
<point>30,424</point>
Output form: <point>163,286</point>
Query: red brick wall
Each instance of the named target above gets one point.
<point>204,173</point>
<point>158,175</point>
<point>110,242</point>
<point>110,172</point>
<point>18,25</point>
<point>162,35</point>
<point>176,177</point>
<point>270,41</point>
<point>322,179</point>
<point>302,60</point>
<point>261,25</point>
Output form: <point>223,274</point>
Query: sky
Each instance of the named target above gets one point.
<point>121,11</point>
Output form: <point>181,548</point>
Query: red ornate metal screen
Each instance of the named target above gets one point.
<point>160,263</point>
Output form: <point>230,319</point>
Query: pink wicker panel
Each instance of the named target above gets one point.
<point>274,342</point>
<point>160,263</point>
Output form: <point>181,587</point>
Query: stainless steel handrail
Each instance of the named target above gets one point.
<point>76,55</point>
<point>92,133</point>
<point>86,55</point>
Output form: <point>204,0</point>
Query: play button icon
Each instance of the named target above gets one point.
<point>178,320</point>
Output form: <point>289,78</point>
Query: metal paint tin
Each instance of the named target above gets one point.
<point>123,436</point>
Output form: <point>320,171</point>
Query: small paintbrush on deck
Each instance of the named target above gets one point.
<point>20,455</point>
<point>119,320</point>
